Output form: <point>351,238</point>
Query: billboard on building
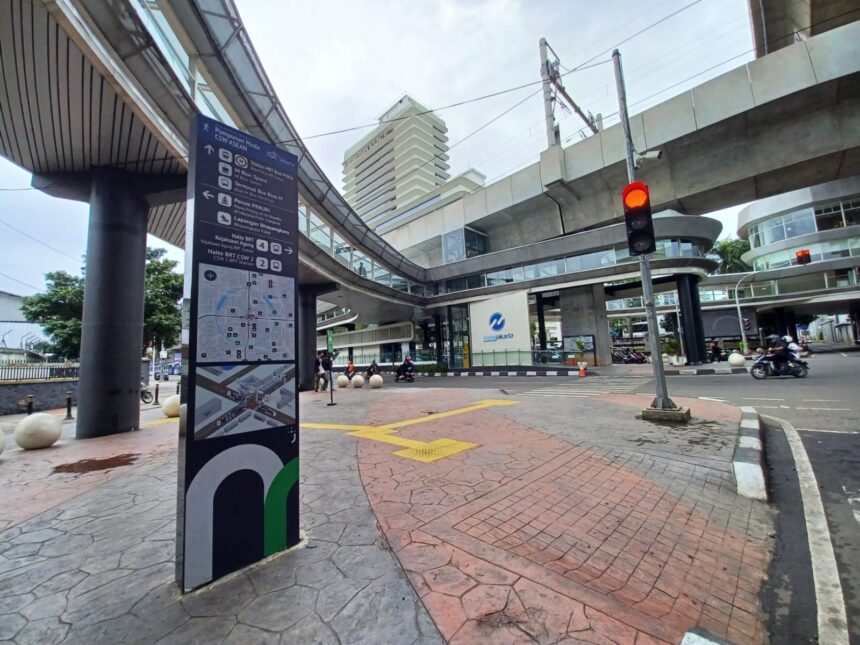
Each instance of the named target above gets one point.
<point>500,330</point>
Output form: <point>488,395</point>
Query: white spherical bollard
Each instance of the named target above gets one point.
<point>2,442</point>
<point>342,381</point>
<point>170,406</point>
<point>357,381</point>
<point>376,381</point>
<point>38,430</point>
<point>736,360</point>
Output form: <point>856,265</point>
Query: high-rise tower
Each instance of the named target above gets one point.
<point>403,158</point>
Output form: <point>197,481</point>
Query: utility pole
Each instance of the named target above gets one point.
<point>661,401</point>
<point>553,137</point>
<point>551,78</point>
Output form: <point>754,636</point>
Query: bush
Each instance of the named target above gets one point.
<point>431,368</point>
<point>670,346</point>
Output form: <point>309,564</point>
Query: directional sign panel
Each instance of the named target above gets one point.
<point>239,453</point>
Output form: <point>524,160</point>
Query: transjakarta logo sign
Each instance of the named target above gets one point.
<point>497,324</point>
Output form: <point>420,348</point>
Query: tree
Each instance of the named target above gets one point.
<point>162,317</point>
<point>729,252</point>
<point>60,308</point>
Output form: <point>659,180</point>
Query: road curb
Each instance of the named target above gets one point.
<point>748,460</point>
<point>706,371</point>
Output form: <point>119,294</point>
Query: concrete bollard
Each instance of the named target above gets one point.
<point>39,430</point>
<point>156,394</point>
<point>69,416</point>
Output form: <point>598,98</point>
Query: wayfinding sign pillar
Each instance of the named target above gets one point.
<point>238,495</point>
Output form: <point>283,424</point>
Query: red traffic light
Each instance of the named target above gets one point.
<point>803,256</point>
<point>635,195</point>
<point>637,218</point>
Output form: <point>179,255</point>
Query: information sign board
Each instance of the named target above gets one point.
<point>239,453</point>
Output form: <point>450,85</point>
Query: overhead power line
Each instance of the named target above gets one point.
<point>6,275</point>
<point>38,241</point>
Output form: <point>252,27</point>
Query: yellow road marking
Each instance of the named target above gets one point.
<point>480,405</point>
<point>422,451</point>
<point>158,422</point>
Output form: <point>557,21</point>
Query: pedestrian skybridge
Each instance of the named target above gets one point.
<point>91,91</point>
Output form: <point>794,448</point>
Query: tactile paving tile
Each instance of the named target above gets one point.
<point>435,450</point>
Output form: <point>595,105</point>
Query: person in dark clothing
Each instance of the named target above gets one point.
<point>320,376</point>
<point>778,353</point>
<point>716,351</point>
<point>372,369</point>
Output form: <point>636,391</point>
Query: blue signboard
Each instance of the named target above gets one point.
<point>239,457</point>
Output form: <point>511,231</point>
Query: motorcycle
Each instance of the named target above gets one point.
<point>762,367</point>
<point>146,395</point>
<point>407,376</point>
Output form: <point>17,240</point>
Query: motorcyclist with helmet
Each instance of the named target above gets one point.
<point>406,370</point>
<point>778,352</point>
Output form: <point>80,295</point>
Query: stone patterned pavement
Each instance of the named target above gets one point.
<point>571,521</point>
<point>98,567</point>
<point>620,532</point>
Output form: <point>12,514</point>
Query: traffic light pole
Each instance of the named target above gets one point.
<point>662,400</point>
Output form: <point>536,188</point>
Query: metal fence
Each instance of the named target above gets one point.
<point>17,372</point>
<point>535,358</point>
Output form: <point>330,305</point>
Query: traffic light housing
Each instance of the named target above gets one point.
<point>803,256</point>
<point>637,217</point>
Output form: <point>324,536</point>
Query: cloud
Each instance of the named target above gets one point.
<point>339,63</point>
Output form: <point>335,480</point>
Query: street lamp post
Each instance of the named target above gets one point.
<point>740,317</point>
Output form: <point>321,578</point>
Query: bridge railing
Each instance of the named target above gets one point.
<point>18,372</point>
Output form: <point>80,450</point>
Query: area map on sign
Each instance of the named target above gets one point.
<point>244,316</point>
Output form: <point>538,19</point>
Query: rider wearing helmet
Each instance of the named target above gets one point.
<point>793,348</point>
<point>778,352</point>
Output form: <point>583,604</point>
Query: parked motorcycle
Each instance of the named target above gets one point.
<point>763,367</point>
<point>146,395</point>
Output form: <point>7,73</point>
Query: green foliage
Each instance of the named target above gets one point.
<point>162,317</point>
<point>729,251</point>
<point>431,368</point>
<point>60,308</point>
<point>669,346</point>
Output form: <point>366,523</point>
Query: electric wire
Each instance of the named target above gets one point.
<point>38,241</point>
<point>6,275</point>
<point>581,67</point>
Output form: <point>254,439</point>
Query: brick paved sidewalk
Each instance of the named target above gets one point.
<point>624,532</point>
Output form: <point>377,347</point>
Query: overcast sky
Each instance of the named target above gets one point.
<point>336,64</point>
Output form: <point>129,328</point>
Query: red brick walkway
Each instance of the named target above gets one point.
<point>533,538</point>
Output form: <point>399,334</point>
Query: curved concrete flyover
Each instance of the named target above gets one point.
<point>779,123</point>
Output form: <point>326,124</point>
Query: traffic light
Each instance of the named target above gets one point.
<point>637,217</point>
<point>803,256</point>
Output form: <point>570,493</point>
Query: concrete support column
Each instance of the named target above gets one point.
<point>583,312</point>
<point>437,337</point>
<point>112,332</point>
<point>854,312</point>
<point>306,349</point>
<point>541,323</point>
<point>691,319</point>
